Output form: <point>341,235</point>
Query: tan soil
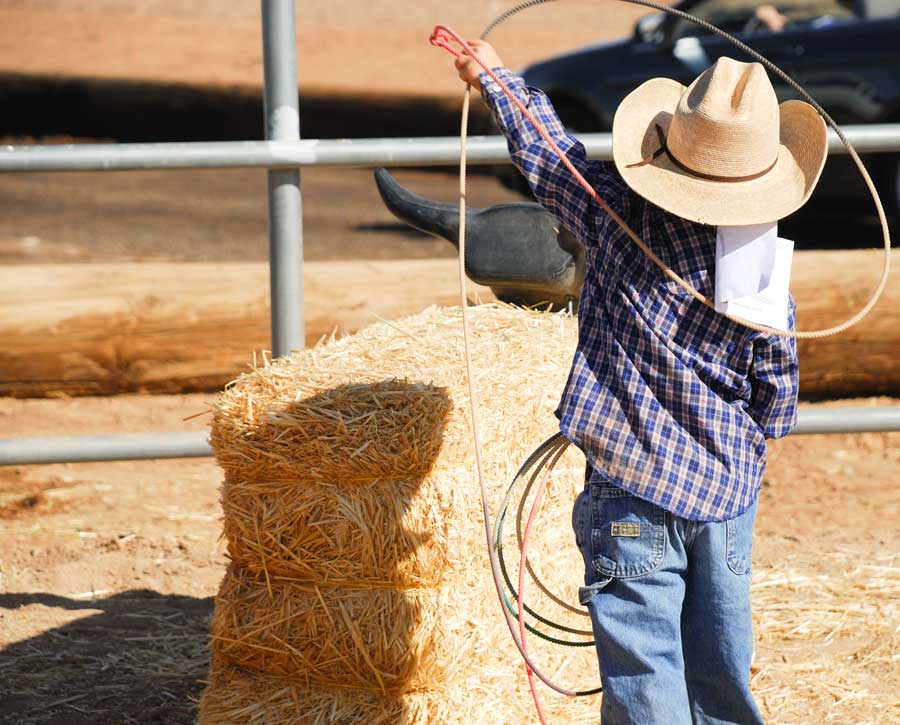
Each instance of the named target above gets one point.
<point>107,570</point>
<point>213,216</point>
<point>348,47</point>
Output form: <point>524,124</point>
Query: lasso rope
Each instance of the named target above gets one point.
<point>443,35</point>
<point>441,38</point>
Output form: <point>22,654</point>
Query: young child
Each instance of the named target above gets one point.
<point>670,402</point>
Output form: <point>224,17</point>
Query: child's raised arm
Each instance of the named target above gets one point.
<point>553,185</point>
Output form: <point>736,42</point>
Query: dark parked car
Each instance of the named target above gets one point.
<point>846,55</point>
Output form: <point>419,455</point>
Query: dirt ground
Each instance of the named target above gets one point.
<point>107,570</point>
<point>213,216</point>
<point>348,47</point>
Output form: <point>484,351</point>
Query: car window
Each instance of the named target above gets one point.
<point>738,16</point>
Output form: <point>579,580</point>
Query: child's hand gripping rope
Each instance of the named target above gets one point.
<point>468,68</point>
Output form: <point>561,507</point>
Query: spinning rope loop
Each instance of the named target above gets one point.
<point>548,454</point>
<point>443,37</point>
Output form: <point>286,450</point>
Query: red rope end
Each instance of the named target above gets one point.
<point>441,37</point>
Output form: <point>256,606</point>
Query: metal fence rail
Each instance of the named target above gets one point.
<point>283,153</point>
<point>82,449</point>
<point>193,444</point>
<point>292,154</point>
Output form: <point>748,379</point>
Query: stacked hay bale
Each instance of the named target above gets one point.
<point>359,588</point>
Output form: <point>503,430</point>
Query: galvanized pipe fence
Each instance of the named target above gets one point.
<point>283,153</point>
<point>279,153</point>
<point>193,444</point>
<point>282,114</point>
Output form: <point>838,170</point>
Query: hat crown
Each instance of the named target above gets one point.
<point>727,121</point>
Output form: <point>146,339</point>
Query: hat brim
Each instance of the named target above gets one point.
<point>784,189</point>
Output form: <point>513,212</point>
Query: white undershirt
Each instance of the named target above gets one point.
<point>753,273</point>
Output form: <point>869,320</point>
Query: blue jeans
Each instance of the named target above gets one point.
<point>669,600</point>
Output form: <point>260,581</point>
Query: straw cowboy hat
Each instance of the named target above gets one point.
<point>721,151</point>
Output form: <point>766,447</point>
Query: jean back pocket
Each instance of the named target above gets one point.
<point>628,534</point>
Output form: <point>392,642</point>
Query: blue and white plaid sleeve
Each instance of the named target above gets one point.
<point>553,184</point>
<point>775,380</point>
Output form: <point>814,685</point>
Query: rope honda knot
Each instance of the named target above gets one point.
<point>442,37</point>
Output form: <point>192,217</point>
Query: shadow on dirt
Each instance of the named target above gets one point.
<point>141,659</point>
<point>392,228</point>
<point>135,112</point>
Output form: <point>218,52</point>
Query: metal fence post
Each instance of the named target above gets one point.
<point>285,203</point>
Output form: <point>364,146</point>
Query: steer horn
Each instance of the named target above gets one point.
<point>432,217</point>
<point>518,249</point>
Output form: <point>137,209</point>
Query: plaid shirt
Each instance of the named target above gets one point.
<point>671,401</point>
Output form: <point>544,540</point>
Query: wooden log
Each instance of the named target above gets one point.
<point>99,329</point>
<point>829,287</point>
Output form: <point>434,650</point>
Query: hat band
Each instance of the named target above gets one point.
<point>664,149</point>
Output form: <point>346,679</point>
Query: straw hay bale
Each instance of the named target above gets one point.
<point>299,512</point>
<point>240,696</point>
<point>337,414</point>
<point>363,430</point>
<point>383,640</point>
<point>327,489</point>
<point>383,533</point>
<point>522,359</point>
